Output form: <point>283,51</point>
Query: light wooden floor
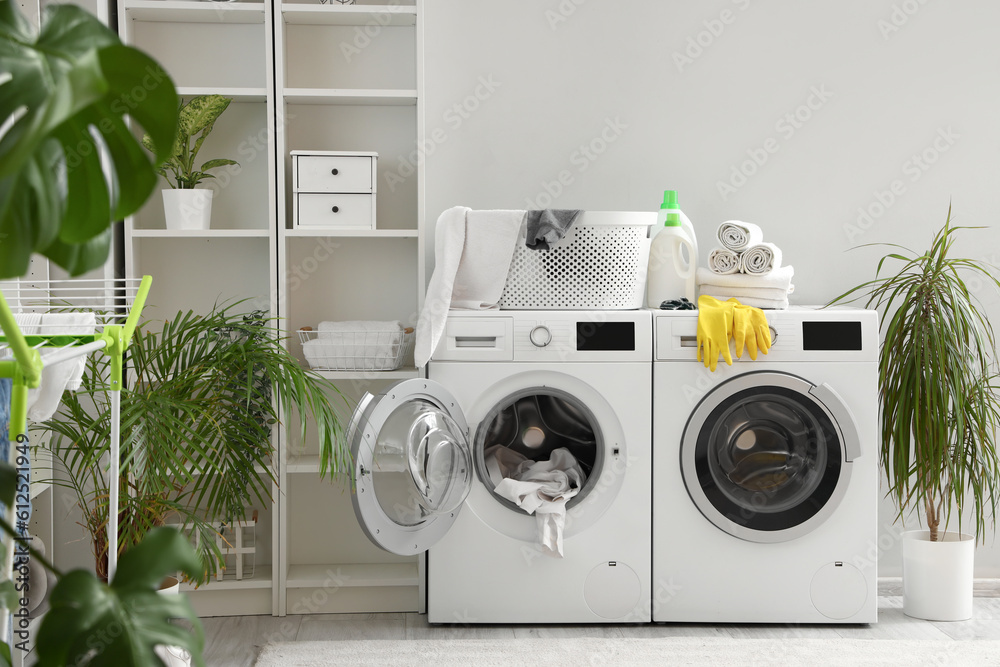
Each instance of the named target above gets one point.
<point>236,640</point>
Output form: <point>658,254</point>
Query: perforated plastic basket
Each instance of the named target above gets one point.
<point>600,264</point>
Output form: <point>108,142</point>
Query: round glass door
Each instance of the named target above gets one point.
<point>413,465</point>
<point>763,459</point>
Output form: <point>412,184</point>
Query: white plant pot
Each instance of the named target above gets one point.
<point>172,656</point>
<point>187,209</point>
<point>937,576</point>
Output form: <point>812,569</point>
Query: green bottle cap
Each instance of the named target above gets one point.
<point>669,199</point>
<point>673,220</point>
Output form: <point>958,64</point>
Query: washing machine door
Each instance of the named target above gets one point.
<point>412,464</point>
<point>766,456</point>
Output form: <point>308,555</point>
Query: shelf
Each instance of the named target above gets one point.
<point>201,233</point>
<point>353,574</point>
<point>178,11</point>
<point>261,579</point>
<point>387,15</point>
<point>238,94</point>
<point>352,96</point>
<point>319,232</point>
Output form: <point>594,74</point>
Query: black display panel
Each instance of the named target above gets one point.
<point>831,336</point>
<point>605,336</point>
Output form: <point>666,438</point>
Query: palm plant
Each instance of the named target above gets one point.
<point>196,428</point>
<point>938,382</point>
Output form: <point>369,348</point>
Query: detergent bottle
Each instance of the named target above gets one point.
<point>673,255</point>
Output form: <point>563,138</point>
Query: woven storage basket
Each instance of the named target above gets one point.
<point>599,264</point>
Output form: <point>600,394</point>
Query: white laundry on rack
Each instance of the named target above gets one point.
<point>541,488</point>
<point>67,375</point>
<point>472,255</point>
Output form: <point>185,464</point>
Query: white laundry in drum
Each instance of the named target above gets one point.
<point>541,488</point>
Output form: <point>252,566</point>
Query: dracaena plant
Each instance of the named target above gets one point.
<point>196,120</point>
<point>937,383</point>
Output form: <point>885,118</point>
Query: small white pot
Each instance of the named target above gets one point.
<point>172,656</point>
<point>937,576</point>
<point>187,209</point>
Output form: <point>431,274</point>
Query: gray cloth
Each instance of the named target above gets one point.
<point>547,227</point>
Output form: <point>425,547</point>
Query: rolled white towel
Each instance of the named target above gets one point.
<point>723,261</point>
<point>780,278</point>
<point>760,258</point>
<point>738,236</point>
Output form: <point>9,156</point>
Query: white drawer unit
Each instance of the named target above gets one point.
<point>333,189</point>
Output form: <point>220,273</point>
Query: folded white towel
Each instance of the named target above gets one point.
<point>67,375</point>
<point>780,278</point>
<point>723,261</point>
<point>763,303</point>
<point>541,488</point>
<point>333,329</point>
<point>756,292</point>
<point>760,258</point>
<point>472,255</point>
<point>738,236</point>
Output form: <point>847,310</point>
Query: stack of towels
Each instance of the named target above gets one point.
<point>747,268</point>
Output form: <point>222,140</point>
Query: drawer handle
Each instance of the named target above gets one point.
<point>336,209</point>
<point>334,171</point>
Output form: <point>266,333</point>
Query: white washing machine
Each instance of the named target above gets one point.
<point>766,473</point>
<point>532,382</point>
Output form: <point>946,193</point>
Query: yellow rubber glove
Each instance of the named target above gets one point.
<point>750,328</point>
<point>715,326</point>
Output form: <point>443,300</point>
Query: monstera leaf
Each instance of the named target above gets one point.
<point>64,96</point>
<point>91,623</point>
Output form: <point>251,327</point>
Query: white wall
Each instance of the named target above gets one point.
<point>515,89</point>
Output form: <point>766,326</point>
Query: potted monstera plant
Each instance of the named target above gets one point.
<point>185,205</point>
<point>937,388</point>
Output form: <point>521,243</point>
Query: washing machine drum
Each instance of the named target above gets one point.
<point>537,425</point>
<point>763,459</point>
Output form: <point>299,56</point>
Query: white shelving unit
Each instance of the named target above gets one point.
<point>299,81</point>
<point>342,92</point>
<point>223,48</point>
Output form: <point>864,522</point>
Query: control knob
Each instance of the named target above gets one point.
<point>540,336</point>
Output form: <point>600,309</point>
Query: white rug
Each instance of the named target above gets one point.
<point>716,652</point>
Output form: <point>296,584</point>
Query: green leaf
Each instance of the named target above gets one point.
<point>8,595</point>
<point>219,162</point>
<point>72,79</point>
<point>90,623</point>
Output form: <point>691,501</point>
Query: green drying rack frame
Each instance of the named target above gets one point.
<point>25,369</point>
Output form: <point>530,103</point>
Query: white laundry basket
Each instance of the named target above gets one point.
<point>600,264</point>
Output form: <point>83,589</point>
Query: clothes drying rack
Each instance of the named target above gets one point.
<point>112,301</point>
